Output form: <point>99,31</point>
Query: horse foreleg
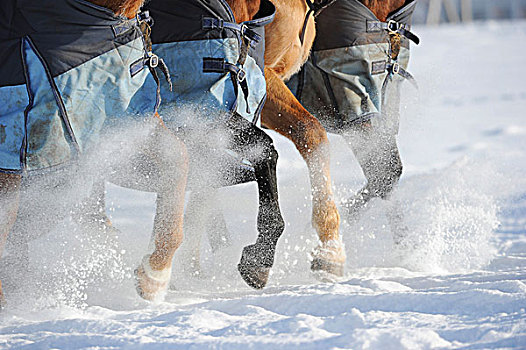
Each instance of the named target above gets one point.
<point>256,146</point>
<point>9,199</point>
<point>284,114</point>
<point>161,167</point>
<point>171,160</point>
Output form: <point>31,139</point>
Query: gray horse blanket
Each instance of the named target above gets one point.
<point>351,75</point>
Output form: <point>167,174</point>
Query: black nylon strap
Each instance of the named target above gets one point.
<point>392,27</point>
<point>150,60</point>
<point>211,23</point>
<point>237,74</point>
<point>317,6</point>
<point>394,68</point>
<point>315,9</point>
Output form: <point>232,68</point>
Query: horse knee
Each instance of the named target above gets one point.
<point>271,154</point>
<point>312,138</point>
<point>173,156</point>
<point>266,150</point>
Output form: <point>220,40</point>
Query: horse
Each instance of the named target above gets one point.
<point>246,139</point>
<point>116,25</point>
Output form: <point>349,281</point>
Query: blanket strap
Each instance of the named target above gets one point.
<point>210,23</point>
<point>150,60</point>
<point>237,74</point>
<point>393,27</point>
<point>315,8</point>
<point>249,38</point>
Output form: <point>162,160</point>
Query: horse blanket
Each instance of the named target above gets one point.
<point>354,71</point>
<point>216,65</point>
<point>64,75</point>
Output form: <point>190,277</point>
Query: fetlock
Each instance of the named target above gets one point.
<point>352,207</point>
<point>258,255</point>
<point>326,220</point>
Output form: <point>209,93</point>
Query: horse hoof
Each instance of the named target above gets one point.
<point>255,277</point>
<point>323,267</point>
<point>329,257</point>
<point>151,284</point>
<point>255,264</point>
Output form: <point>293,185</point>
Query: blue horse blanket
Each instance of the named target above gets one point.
<point>216,64</point>
<point>65,75</point>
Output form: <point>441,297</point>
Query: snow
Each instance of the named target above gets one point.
<point>460,285</point>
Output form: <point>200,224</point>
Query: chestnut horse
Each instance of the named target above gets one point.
<point>154,271</point>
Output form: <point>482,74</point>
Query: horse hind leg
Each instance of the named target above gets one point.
<point>199,212</point>
<point>9,200</point>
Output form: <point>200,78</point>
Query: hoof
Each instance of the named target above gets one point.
<point>329,257</point>
<point>255,277</point>
<point>151,284</point>
<point>329,267</point>
<point>255,264</point>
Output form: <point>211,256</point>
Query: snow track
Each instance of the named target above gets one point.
<point>460,283</point>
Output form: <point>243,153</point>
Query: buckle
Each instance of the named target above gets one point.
<point>396,68</point>
<point>241,75</point>
<point>153,61</point>
<point>243,29</point>
<point>393,26</point>
<point>144,16</point>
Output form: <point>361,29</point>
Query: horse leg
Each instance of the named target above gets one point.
<point>256,146</point>
<point>218,235</point>
<point>203,214</point>
<point>284,114</point>
<point>378,155</point>
<point>195,220</point>
<point>9,200</point>
<point>90,214</point>
<point>161,167</point>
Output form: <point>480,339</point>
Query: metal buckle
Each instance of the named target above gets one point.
<point>396,68</point>
<point>144,16</point>
<point>243,29</point>
<point>241,75</point>
<point>154,60</point>
<point>393,26</point>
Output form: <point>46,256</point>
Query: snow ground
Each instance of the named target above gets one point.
<point>463,143</point>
